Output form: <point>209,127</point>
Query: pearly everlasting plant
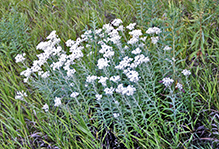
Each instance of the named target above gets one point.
<point>113,70</point>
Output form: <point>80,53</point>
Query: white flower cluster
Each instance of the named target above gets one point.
<point>167,81</point>
<point>129,90</point>
<point>20,58</point>
<point>45,107</point>
<point>186,72</point>
<point>20,95</point>
<point>179,86</point>
<point>116,22</point>
<point>153,30</point>
<point>74,94</point>
<point>57,101</point>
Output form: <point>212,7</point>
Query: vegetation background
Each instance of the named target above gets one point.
<point>24,23</point>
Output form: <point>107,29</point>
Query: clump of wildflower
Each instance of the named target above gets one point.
<point>21,95</point>
<point>45,107</point>
<point>20,58</point>
<point>186,72</point>
<point>57,101</point>
<point>167,81</point>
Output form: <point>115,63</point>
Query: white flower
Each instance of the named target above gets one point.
<point>179,86</point>
<point>186,72</point>
<point>21,95</point>
<point>135,33</point>
<point>154,40</point>
<point>52,35</point>
<point>70,43</point>
<point>124,63</point>
<point>132,75</point>
<point>173,59</point>
<point>133,40</point>
<point>57,101</point>
<point>46,108</point>
<point>139,59</point>
<point>136,51</point>
<point>120,88</point>
<point>91,79</point>
<point>102,62</point>
<point>107,28</point>
<point>45,75</point>
<point>70,72</point>
<point>130,90</point>
<point>109,91</point>
<point>167,48</point>
<point>98,96</point>
<point>116,102</point>
<point>108,54</point>
<point>102,80</point>
<point>167,81</point>
<point>116,115</point>
<point>20,58</point>
<point>131,26</point>
<point>120,28</point>
<point>26,72</point>
<point>115,78</point>
<point>98,31</point>
<point>153,30</point>
<point>105,48</point>
<point>74,94</point>
<point>116,22</point>
<point>143,38</point>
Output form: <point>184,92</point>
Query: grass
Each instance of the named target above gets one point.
<point>193,23</point>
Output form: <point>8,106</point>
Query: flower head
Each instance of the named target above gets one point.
<point>20,58</point>
<point>116,115</point>
<point>153,30</point>
<point>179,86</point>
<point>98,96</point>
<point>103,62</point>
<point>167,81</point>
<point>116,22</point>
<point>131,26</point>
<point>46,108</point>
<point>154,40</point>
<point>74,94</point>
<point>109,91</point>
<point>186,72</point>
<point>21,95</point>
<point>57,101</point>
